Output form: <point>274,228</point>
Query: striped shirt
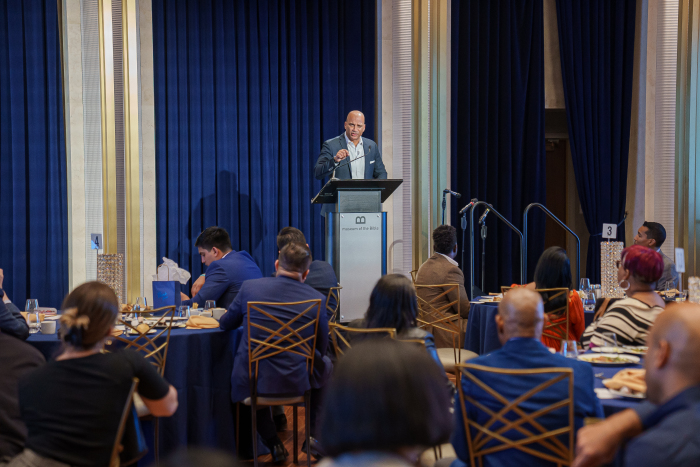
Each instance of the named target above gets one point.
<point>630,319</point>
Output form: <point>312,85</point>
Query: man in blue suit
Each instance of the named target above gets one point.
<point>350,155</point>
<point>519,321</point>
<point>226,269</point>
<point>285,374</point>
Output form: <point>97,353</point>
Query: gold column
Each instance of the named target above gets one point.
<point>687,210</point>
<point>109,164</point>
<point>131,149</point>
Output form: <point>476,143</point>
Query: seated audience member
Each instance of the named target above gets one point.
<point>393,304</point>
<point>198,457</point>
<point>653,235</point>
<point>519,321</point>
<point>72,406</point>
<point>553,271</point>
<point>665,429</point>
<point>287,374</point>
<point>630,318</point>
<point>17,358</point>
<point>226,269</point>
<point>384,406</point>
<point>441,268</point>
<point>11,320</point>
<point>321,274</point>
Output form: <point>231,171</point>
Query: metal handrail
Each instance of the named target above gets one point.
<point>523,273</point>
<point>471,240</point>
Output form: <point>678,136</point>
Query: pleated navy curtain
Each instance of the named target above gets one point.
<point>498,152</point>
<point>596,40</point>
<point>34,234</point>
<point>246,92</point>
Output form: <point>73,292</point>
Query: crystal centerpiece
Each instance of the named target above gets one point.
<point>110,270</point>
<point>610,253</point>
<point>694,289</point>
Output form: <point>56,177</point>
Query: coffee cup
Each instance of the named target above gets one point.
<point>195,311</point>
<point>205,313</point>
<point>217,313</point>
<point>48,327</point>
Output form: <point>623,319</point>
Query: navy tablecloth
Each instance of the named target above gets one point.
<point>481,335</point>
<point>199,365</point>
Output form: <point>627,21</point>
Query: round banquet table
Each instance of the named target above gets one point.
<point>199,365</point>
<point>481,336</point>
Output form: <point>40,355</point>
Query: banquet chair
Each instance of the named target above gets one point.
<point>335,293</point>
<point>504,417</point>
<point>505,289</point>
<point>414,274</point>
<point>342,336</point>
<point>293,337</point>
<point>128,405</point>
<point>556,307</point>
<point>156,353</point>
<point>432,317</point>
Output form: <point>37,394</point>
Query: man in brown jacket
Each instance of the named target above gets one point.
<point>441,268</point>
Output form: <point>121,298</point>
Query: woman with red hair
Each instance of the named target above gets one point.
<point>632,317</point>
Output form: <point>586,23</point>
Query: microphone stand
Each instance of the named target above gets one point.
<point>444,206</point>
<point>483,255</point>
<point>463,213</point>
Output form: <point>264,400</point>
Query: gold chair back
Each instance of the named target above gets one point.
<point>433,315</point>
<point>341,336</point>
<point>414,274</point>
<point>146,343</point>
<point>116,449</point>
<point>335,293</point>
<point>550,297</point>
<point>513,417</point>
<point>505,288</point>
<point>266,342</point>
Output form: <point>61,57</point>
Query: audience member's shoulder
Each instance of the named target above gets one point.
<point>11,346</point>
<point>321,265</point>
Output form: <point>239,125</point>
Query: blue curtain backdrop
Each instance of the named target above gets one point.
<point>246,92</point>
<point>34,234</point>
<point>596,40</point>
<point>498,152</point>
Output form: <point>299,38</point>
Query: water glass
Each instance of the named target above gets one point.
<point>585,285</point>
<point>32,308</point>
<point>569,349</point>
<point>589,302</point>
<point>184,311</point>
<point>670,291</point>
<point>141,304</point>
<point>611,341</point>
<point>209,304</point>
<point>682,296</point>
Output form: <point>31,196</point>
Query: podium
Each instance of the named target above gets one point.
<point>356,238</point>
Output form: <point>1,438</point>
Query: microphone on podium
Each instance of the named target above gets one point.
<point>453,193</point>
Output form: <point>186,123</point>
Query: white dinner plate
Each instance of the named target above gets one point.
<point>623,359</point>
<point>625,349</point>
<point>626,395</point>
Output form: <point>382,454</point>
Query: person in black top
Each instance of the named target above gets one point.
<point>17,358</point>
<point>11,320</point>
<point>72,406</point>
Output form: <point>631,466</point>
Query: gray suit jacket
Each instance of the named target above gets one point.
<point>374,167</point>
<point>669,275</point>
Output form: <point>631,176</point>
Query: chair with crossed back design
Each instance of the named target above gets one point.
<point>414,275</point>
<point>498,432</point>
<point>431,316</point>
<point>156,353</point>
<point>555,311</point>
<point>117,448</point>
<point>342,336</point>
<point>292,337</point>
<point>335,293</point>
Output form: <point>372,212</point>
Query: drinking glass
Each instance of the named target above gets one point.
<point>682,296</point>
<point>569,349</point>
<point>32,307</point>
<point>585,284</point>
<point>670,291</point>
<point>141,304</point>
<point>209,304</point>
<point>184,311</point>
<point>589,301</point>
<point>611,341</point>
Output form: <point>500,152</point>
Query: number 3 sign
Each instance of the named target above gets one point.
<point>609,231</point>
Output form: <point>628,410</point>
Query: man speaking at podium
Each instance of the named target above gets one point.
<point>350,155</point>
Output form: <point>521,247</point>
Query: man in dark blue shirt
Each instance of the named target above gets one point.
<point>11,320</point>
<point>226,269</point>
<point>665,430</point>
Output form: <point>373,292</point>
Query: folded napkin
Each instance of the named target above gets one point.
<point>202,322</point>
<point>631,379</point>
